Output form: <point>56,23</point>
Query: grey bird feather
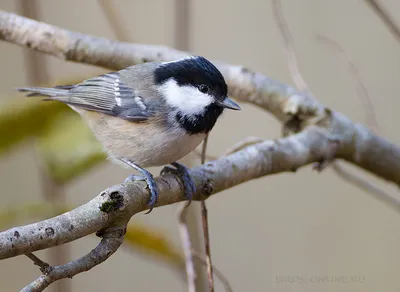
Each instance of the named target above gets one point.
<point>111,94</point>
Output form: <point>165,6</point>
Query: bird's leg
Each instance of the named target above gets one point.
<point>145,176</point>
<point>183,172</point>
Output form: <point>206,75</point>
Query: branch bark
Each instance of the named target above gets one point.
<point>112,239</point>
<point>120,202</point>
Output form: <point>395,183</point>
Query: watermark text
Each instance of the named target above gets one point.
<point>338,279</point>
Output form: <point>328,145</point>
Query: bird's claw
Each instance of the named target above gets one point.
<point>183,172</point>
<point>151,184</point>
<point>133,178</point>
<point>168,169</point>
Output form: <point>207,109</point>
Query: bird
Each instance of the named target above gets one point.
<point>149,114</point>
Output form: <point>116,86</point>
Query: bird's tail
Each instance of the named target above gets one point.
<point>55,93</point>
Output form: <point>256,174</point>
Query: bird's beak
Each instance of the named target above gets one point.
<point>229,103</point>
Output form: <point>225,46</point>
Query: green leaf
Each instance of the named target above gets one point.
<point>69,148</point>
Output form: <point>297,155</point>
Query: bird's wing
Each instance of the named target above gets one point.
<point>108,94</point>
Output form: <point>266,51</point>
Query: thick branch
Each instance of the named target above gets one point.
<point>118,203</point>
<point>112,239</point>
<point>357,144</point>
<point>72,46</point>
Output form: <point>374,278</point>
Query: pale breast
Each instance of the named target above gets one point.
<point>142,144</point>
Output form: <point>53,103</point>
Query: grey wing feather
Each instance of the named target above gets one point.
<point>105,93</point>
<point>110,95</point>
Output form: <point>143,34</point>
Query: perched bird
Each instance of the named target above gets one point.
<point>150,114</point>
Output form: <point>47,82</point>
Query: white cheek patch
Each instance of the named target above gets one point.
<point>188,99</point>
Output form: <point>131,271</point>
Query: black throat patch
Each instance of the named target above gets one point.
<point>200,124</point>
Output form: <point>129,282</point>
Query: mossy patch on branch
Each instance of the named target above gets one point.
<point>115,203</point>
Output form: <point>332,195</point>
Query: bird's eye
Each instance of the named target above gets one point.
<point>204,88</point>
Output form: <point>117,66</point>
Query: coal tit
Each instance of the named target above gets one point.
<point>150,114</point>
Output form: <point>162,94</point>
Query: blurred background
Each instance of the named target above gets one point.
<point>303,231</point>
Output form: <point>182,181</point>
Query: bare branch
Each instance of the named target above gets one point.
<point>289,47</point>
<point>208,156</point>
<point>243,144</point>
<point>372,122</point>
<point>187,247</point>
<point>385,17</point>
<point>236,147</point>
<point>120,202</point>
<point>206,232</point>
<point>365,185</point>
<point>43,266</point>
<point>362,91</point>
<point>112,239</point>
<point>217,272</point>
<point>185,237</point>
<point>188,218</point>
<point>114,20</point>
<point>243,84</point>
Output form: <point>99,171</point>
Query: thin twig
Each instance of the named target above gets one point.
<point>112,239</point>
<point>115,21</point>
<point>44,267</point>
<point>235,148</point>
<point>289,47</point>
<point>243,144</point>
<point>362,91</point>
<point>208,156</point>
<point>377,192</point>
<point>302,85</point>
<point>187,247</point>
<point>204,217</point>
<point>371,121</point>
<point>217,272</point>
<point>189,215</point>
<point>385,17</point>
<point>204,150</point>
